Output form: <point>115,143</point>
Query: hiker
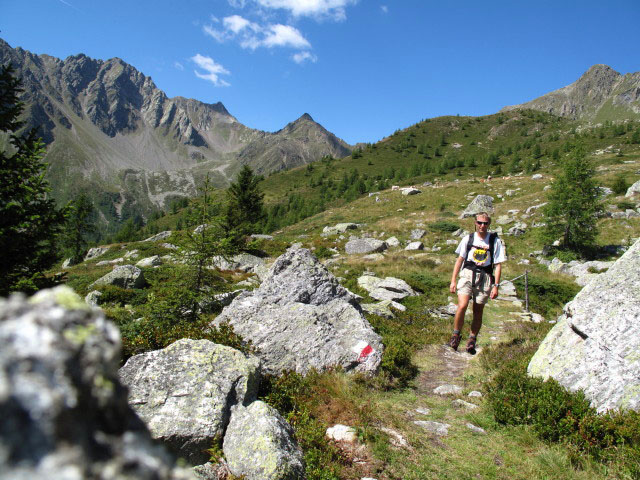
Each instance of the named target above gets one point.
<point>478,254</point>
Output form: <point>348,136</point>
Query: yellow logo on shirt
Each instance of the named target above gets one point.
<point>480,255</point>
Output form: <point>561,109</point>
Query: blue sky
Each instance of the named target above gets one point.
<point>361,68</point>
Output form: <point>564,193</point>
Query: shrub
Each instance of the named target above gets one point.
<point>443,226</point>
<point>547,296</point>
<point>626,205</point>
<point>619,185</point>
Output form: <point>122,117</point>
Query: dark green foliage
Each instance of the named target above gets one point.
<point>29,219</point>
<point>79,225</point>
<point>573,203</point>
<point>292,395</point>
<point>620,185</point>
<point>547,296</point>
<point>245,210</point>
<point>443,226</point>
<point>626,205</point>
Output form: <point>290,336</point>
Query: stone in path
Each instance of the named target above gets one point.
<point>448,390</point>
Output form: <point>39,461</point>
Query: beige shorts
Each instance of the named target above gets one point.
<point>481,290</point>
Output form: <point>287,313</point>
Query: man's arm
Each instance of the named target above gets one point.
<point>496,273</point>
<point>456,270</point>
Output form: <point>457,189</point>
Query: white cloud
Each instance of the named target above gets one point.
<point>284,36</point>
<point>213,69</point>
<point>237,3</point>
<point>384,9</point>
<point>178,65</point>
<point>311,8</point>
<point>302,57</point>
<point>235,23</point>
<point>252,35</point>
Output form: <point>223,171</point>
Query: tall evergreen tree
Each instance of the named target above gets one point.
<point>29,219</point>
<point>245,209</point>
<point>574,204</point>
<point>78,227</point>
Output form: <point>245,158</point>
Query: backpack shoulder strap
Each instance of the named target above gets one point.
<point>493,238</point>
<point>469,245</point>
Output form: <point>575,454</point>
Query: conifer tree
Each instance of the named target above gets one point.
<point>78,227</point>
<point>573,205</point>
<point>29,219</point>
<point>245,210</point>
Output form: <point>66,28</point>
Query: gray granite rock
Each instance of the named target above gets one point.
<point>154,261</point>
<point>259,445</point>
<point>482,203</point>
<point>392,242</point>
<point>123,276</point>
<point>440,429</point>
<point>339,228</point>
<point>600,328</point>
<point>410,191</point>
<point>95,252</point>
<point>301,318</point>
<point>417,234</point>
<point>381,309</point>
<point>461,404</point>
<point>92,298</point>
<point>364,245</point>
<point>185,392</point>
<point>158,236</point>
<point>414,246</point>
<point>633,190</point>
<point>448,390</point>
<point>65,414</point>
<point>476,429</point>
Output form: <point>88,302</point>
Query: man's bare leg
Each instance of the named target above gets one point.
<point>476,324</point>
<point>458,321</point>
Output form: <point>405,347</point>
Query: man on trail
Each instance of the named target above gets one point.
<point>478,254</point>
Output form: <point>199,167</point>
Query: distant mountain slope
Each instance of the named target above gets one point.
<point>111,131</point>
<point>600,94</point>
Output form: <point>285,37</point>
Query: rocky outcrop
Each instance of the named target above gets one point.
<point>259,445</point>
<point>65,413</point>
<point>594,346</point>
<point>633,190</point>
<point>482,203</point>
<point>185,392</point>
<point>123,276</point>
<point>301,318</point>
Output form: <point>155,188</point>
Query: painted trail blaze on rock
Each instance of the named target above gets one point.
<point>363,349</point>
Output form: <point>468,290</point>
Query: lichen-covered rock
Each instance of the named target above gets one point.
<point>595,345</point>
<point>154,261</point>
<point>64,411</point>
<point>339,228</point>
<point>244,262</point>
<point>364,245</point>
<point>414,246</point>
<point>92,298</point>
<point>184,392</point>
<point>260,445</point>
<point>389,288</point>
<point>301,318</point>
<point>633,190</point>
<point>124,276</point>
<point>482,203</point>
<point>95,252</point>
<point>158,237</point>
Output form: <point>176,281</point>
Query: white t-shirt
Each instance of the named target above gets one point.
<point>481,255</point>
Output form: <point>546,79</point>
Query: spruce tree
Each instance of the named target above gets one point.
<point>78,227</point>
<point>245,210</point>
<point>29,219</point>
<point>573,205</point>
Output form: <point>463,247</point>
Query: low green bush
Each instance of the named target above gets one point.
<point>626,205</point>
<point>292,395</point>
<point>547,296</point>
<point>115,295</point>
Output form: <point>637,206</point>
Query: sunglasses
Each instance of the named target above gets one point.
<point>482,223</point>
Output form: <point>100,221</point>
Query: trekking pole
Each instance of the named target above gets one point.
<point>526,291</point>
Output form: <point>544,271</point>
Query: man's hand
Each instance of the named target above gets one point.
<point>494,292</point>
<point>452,286</point>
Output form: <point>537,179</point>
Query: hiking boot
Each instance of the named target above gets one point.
<point>471,345</point>
<point>455,341</point>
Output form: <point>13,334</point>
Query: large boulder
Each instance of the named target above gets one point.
<point>389,288</point>
<point>259,445</point>
<point>184,392</point>
<point>301,318</point>
<point>65,413</point>
<point>124,276</point>
<point>596,343</point>
<point>482,203</point>
<point>364,245</point>
<point>633,190</point>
